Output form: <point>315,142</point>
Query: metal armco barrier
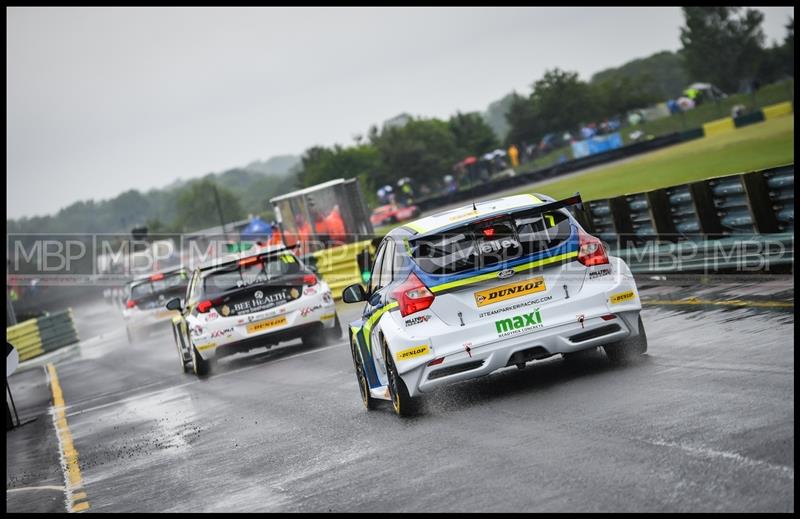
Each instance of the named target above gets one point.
<point>338,266</point>
<point>759,202</point>
<point>37,336</point>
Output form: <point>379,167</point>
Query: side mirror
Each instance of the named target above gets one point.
<point>174,304</point>
<point>313,268</point>
<point>354,294</point>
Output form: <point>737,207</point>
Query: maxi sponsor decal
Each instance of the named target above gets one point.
<point>540,300</point>
<point>519,324</point>
<point>509,291</point>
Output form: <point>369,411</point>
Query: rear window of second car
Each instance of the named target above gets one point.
<point>490,243</point>
<point>169,282</point>
<point>234,276</point>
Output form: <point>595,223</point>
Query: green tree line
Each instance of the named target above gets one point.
<point>182,207</point>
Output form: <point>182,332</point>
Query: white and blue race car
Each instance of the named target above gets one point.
<point>500,283</point>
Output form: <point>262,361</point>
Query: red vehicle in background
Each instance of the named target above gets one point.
<point>393,213</point>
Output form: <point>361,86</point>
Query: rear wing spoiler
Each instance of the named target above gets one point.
<point>574,200</point>
<point>246,256</point>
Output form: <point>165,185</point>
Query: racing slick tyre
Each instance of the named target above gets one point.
<point>179,345</point>
<point>628,349</point>
<point>335,333</point>
<point>363,386</point>
<point>402,403</point>
<point>201,366</point>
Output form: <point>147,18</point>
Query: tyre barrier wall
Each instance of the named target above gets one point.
<point>745,219</point>
<point>758,202</point>
<point>712,128</point>
<point>35,337</point>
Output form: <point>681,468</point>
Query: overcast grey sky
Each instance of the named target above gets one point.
<point>101,100</point>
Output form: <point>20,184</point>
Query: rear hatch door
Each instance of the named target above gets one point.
<point>254,284</point>
<point>502,264</point>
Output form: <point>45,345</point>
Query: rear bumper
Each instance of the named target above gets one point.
<point>267,339</point>
<point>227,335</point>
<point>486,343</point>
<point>566,338</point>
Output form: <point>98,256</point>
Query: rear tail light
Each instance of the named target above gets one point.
<point>131,303</point>
<point>413,296</point>
<point>310,280</point>
<point>608,317</point>
<point>591,251</point>
<point>156,277</point>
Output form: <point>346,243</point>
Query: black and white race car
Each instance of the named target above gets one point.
<point>146,296</point>
<point>241,302</point>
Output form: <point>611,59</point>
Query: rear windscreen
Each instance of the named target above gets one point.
<point>238,276</point>
<point>490,242</point>
<point>168,283</point>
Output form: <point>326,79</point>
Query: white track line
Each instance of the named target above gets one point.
<point>43,487</point>
<point>727,455</point>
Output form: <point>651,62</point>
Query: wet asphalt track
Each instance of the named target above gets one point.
<point>704,422</point>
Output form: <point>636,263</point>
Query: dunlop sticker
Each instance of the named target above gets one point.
<point>463,216</point>
<point>263,325</point>
<point>622,297</point>
<point>206,346</point>
<point>410,353</point>
<point>510,291</point>
<point>327,316</point>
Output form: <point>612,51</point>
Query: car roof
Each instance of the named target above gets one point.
<point>466,214</point>
<point>146,277</point>
<point>235,256</point>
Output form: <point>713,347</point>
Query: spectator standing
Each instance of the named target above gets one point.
<point>513,155</point>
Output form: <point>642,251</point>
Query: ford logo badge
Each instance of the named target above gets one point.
<point>505,274</point>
